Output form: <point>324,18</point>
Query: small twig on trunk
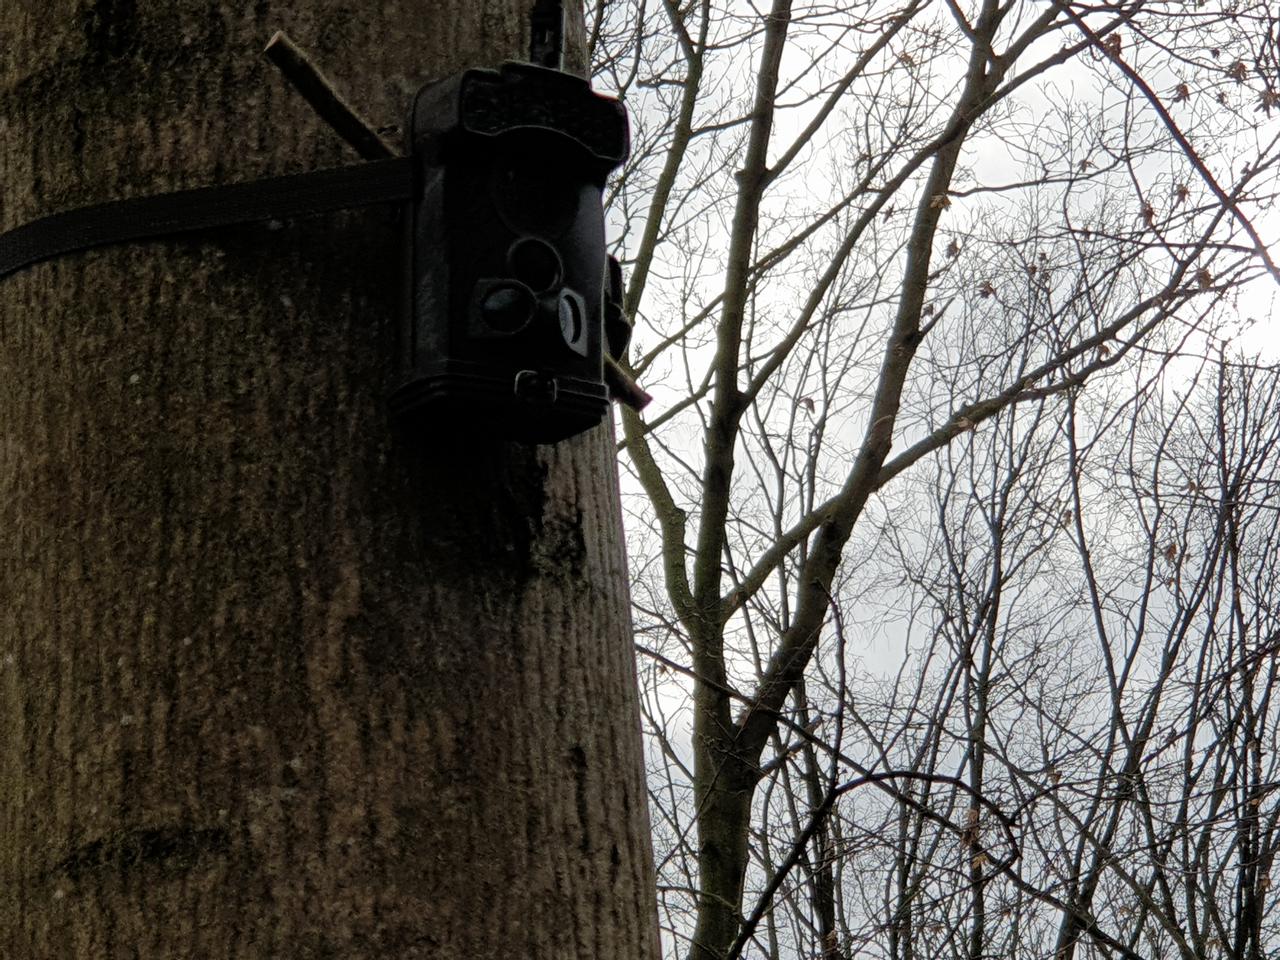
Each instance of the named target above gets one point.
<point>307,79</point>
<point>622,388</point>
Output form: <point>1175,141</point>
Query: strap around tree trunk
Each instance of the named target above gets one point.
<point>186,211</point>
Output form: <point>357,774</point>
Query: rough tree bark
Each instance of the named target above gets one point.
<point>274,683</point>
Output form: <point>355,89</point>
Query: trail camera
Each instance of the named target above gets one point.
<point>505,324</point>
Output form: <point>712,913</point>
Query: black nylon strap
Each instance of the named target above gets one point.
<point>142,218</point>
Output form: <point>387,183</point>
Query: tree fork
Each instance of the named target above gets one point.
<point>273,683</point>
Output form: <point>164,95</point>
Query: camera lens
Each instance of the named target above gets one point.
<point>507,307</point>
<point>535,263</point>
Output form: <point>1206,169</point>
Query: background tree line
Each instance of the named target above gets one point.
<point>953,532</point>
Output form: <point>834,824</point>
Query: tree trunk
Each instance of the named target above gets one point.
<point>723,785</point>
<point>275,683</point>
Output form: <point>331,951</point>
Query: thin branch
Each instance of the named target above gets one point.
<point>306,78</point>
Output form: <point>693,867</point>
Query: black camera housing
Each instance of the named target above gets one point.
<point>510,283</point>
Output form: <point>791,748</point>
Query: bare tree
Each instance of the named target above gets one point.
<point>1129,660</point>
<point>861,239</point>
